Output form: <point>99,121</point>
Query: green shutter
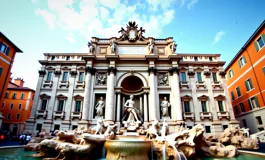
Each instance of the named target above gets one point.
<point>250,83</point>
<point>7,51</point>
<point>244,59</point>
<point>263,69</point>
<point>256,100</point>
<point>1,45</point>
<point>263,37</point>
<point>249,103</point>
<point>246,83</point>
<point>256,46</point>
<point>239,64</point>
<point>1,70</point>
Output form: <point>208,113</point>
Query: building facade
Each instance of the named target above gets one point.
<point>16,106</point>
<point>246,74</point>
<point>71,86</point>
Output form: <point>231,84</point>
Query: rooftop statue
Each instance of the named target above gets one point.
<point>131,33</point>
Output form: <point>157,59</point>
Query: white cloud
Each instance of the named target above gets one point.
<point>70,38</point>
<point>218,36</point>
<point>110,3</point>
<point>34,1</point>
<point>48,17</point>
<point>191,3</point>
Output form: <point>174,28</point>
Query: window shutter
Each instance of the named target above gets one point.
<point>250,82</point>
<point>249,103</point>
<point>7,51</point>
<point>256,100</point>
<point>1,45</point>
<point>263,37</point>
<point>246,83</point>
<point>244,59</point>
<point>256,46</point>
<point>239,64</point>
<point>263,69</point>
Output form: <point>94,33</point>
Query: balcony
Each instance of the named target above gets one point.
<point>188,115</point>
<point>58,114</point>
<point>223,114</point>
<point>205,115</point>
<point>200,84</point>
<point>184,84</point>
<point>80,84</point>
<point>76,115</point>
<point>47,83</point>
<point>42,113</point>
<point>216,84</point>
<point>64,84</point>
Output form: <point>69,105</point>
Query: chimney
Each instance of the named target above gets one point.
<point>19,82</point>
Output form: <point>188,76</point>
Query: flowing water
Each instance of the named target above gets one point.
<point>164,153</point>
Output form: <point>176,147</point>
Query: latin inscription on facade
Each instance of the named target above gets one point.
<point>132,50</point>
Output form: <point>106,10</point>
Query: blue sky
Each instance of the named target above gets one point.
<point>65,26</point>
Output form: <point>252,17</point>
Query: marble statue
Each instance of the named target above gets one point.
<point>91,46</point>
<point>101,78</point>
<point>99,127</point>
<point>113,46</point>
<point>152,132</point>
<point>173,47</point>
<point>99,107</point>
<point>132,114</point>
<point>124,34</point>
<point>140,33</point>
<point>162,79</point>
<point>151,46</point>
<point>164,107</point>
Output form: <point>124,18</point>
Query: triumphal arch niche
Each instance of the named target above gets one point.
<point>132,68</point>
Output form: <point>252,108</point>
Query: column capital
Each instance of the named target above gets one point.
<point>73,73</point>
<point>42,73</point>
<point>112,70</point>
<point>222,74</point>
<point>152,70</point>
<point>173,70</point>
<point>57,73</point>
<point>207,73</point>
<point>91,70</point>
<point>191,73</point>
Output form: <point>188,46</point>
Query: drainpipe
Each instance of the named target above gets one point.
<point>244,49</point>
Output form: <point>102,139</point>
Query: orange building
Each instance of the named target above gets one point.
<point>246,82</point>
<point>8,51</point>
<point>16,106</point>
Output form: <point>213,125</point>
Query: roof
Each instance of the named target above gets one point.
<point>246,44</point>
<point>17,49</point>
<point>21,88</point>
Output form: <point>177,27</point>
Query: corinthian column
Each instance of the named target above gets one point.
<point>175,96</point>
<point>152,95</point>
<point>89,71</point>
<point>109,112</point>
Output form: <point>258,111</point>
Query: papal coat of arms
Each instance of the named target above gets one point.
<point>131,33</point>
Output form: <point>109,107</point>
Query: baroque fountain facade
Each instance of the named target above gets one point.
<point>133,93</point>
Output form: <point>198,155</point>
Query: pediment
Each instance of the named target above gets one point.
<point>44,96</point>
<point>219,97</point>
<point>186,97</point>
<point>78,97</point>
<point>61,96</point>
<point>203,98</point>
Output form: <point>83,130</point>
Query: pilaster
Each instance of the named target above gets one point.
<point>194,95</point>
<point>153,107</point>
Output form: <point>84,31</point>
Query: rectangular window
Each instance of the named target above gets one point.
<point>248,84</point>
<point>242,108</point>
<point>43,104</point>
<point>49,76</point>
<point>65,76</point>
<point>244,123</point>
<point>236,110</point>
<point>17,117</point>
<point>8,116</point>
<point>1,70</point>
<point>242,61</point>
<point>199,76</point>
<point>77,106</point>
<point>259,120</point>
<point>74,127</point>
<point>4,49</point>
<point>22,96</point>
<point>53,58</point>
<point>6,96</point>
<point>263,69</point>
<point>253,103</point>
<point>195,58</point>
<point>11,106</point>
<point>19,106</point>
<point>231,73</point>
<point>238,92</point>
<point>214,77</point>
<point>56,127</point>
<point>38,127</point>
<point>232,95</point>
<point>183,76</point>
<point>204,107</point>
<point>3,104</point>
<point>211,58</point>
<point>187,106</point>
<point>208,129</point>
<point>224,127</point>
<point>260,42</point>
<point>81,76</point>
<point>67,58</point>
<point>60,105</point>
<point>14,96</point>
<point>220,105</point>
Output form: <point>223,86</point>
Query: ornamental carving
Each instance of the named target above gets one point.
<point>162,79</point>
<point>132,33</point>
<point>101,78</point>
<point>42,73</point>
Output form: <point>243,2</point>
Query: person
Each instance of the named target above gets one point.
<point>131,112</point>
<point>99,107</point>
<point>164,107</point>
<point>22,138</point>
<point>28,138</point>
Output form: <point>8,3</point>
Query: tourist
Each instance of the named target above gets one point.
<point>22,138</point>
<point>28,138</point>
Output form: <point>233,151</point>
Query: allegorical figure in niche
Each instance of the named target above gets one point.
<point>164,107</point>
<point>99,107</point>
<point>132,114</point>
<point>113,46</point>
